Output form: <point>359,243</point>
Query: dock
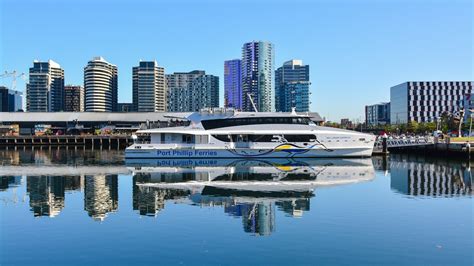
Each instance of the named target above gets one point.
<point>87,141</point>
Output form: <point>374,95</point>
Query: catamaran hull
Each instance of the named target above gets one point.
<point>131,153</point>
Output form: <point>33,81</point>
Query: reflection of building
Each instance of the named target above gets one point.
<point>9,181</point>
<point>294,208</point>
<point>100,195</point>
<point>150,201</point>
<point>425,101</point>
<point>430,179</point>
<point>46,194</point>
<point>259,218</point>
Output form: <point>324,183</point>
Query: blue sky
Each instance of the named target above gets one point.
<point>356,50</point>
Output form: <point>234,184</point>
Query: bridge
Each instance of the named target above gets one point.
<point>403,143</point>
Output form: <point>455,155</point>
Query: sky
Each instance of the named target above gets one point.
<point>356,50</point>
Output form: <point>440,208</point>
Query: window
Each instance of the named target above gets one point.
<point>300,138</point>
<point>220,123</point>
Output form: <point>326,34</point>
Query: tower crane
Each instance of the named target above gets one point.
<point>14,75</point>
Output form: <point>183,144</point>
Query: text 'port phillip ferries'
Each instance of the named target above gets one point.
<point>227,133</point>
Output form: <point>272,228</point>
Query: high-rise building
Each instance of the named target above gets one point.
<point>100,85</point>
<point>45,89</point>
<point>377,114</point>
<point>292,87</point>
<point>149,92</point>
<point>232,84</point>
<point>192,91</point>
<point>257,76</point>
<point>73,98</point>
<point>425,101</point>
<point>10,100</point>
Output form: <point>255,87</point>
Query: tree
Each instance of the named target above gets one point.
<point>412,126</point>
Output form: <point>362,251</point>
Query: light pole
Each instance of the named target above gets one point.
<point>470,125</point>
<point>461,118</point>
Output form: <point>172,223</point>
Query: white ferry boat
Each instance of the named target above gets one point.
<point>232,134</point>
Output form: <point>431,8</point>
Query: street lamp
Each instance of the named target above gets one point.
<point>470,125</point>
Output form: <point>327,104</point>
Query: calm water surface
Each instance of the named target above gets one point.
<point>65,207</point>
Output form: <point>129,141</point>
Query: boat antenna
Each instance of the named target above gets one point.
<point>253,104</point>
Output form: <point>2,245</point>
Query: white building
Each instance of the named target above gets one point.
<point>100,86</point>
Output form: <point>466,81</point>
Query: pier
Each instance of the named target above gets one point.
<point>423,145</point>
<point>87,141</point>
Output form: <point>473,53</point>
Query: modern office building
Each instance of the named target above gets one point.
<point>292,87</point>
<point>100,86</point>
<point>468,105</point>
<point>10,100</point>
<point>377,114</point>
<point>73,98</point>
<point>149,91</point>
<point>232,84</point>
<point>45,89</point>
<point>425,101</point>
<point>192,91</point>
<point>257,76</point>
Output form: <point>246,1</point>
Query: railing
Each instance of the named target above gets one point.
<point>405,142</point>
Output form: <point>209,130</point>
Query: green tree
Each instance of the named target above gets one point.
<point>412,126</point>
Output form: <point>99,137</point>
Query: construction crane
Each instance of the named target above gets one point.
<point>14,75</point>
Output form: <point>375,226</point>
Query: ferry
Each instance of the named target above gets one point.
<point>233,134</point>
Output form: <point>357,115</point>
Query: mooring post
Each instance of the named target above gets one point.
<point>384,144</point>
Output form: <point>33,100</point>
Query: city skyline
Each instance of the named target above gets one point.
<point>357,50</point>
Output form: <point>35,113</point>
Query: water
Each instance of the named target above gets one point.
<point>77,207</point>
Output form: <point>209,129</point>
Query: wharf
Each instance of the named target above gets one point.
<point>456,149</point>
<point>88,141</point>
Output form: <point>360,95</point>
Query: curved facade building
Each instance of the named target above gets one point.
<point>100,86</point>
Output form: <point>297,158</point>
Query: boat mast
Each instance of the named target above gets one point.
<point>253,104</point>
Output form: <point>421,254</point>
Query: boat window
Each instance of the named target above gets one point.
<point>229,122</point>
<point>163,135</point>
<point>300,138</point>
<point>224,138</point>
<point>188,139</point>
<point>261,138</point>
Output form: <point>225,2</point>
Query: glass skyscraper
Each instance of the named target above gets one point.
<point>292,87</point>
<point>45,89</point>
<point>257,76</point>
<point>232,84</point>
<point>10,100</point>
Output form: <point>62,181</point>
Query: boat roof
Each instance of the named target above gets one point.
<point>251,129</point>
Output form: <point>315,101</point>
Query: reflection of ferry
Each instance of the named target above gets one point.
<point>256,175</point>
<point>232,134</point>
<point>251,189</point>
